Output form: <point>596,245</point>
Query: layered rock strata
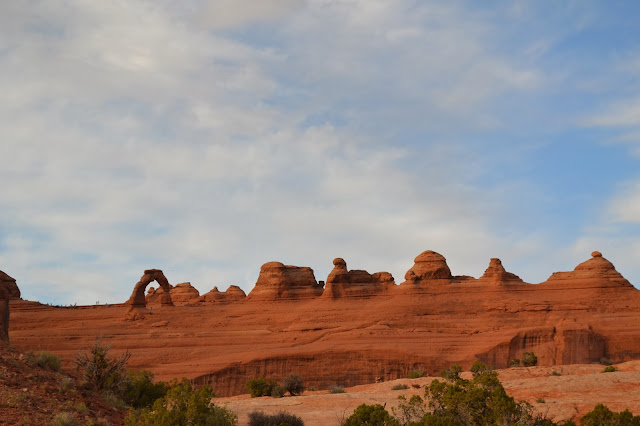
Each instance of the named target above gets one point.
<point>355,283</point>
<point>285,282</point>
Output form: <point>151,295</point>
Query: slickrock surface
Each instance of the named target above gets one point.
<point>285,326</point>
<point>569,395</point>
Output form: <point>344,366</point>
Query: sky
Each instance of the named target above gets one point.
<point>206,138</point>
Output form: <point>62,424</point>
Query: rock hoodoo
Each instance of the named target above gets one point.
<point>278,281</point>
<point>496,273</point>
<point>138,300</point>
<point>10,285</point>
<point>355,283</point>
<point>597,272</point>
<point>233,293</point>
<point>428,265</point>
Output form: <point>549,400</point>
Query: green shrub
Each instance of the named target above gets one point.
<point>601,415</point>
<point>555,373</point>
<point>411,411</point>
<point>540,401</point>
<point>293,383</point>
<point>400,387</point>
<point>416,374</point>
<point>478,368</point>
<point>278,391</point>
<point>336,389</point>
<point>374,415</point>
<point>64,419</point>
<point>610,369</point>
<point>183,405</point>
<point>260,387</point>
<point>529,359</point>
<point>100,370</point>
<point>514,362</point>
<point>140,391</point>
<point>452,374</point>
<point>258,418</point>
<point>45,360</point>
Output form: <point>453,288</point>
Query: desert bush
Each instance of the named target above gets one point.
<point>400,387</point>
<point>140,391</point>
<point>601,415</point>
<point>540,401</point>
<point>64,419</point>
<point>478,368</point>
<point>183,405</point>
<point>335,388</point>
<point>260,387</point>
<point>514,362</point>
<point>278,391</point>
<point>416,374</point>
<point>100,370</point>
<point>610,369</point>
<point>555,373</point>
<point>258,418</point>
<point>452,374</point>
<point>411,411</point>
<point>374,415</point>
<point>529,359</point>
<point>294,384</point>
<point>45,360</point>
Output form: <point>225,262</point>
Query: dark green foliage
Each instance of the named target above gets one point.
<point>182,405</point>
<point>529,359</point>
<point>100,370</point>
<point>514,362</point>
<point>452,374</point>
<point>416,374</point>
<point>44,360</point>
<point>374,415</point>
<point>610,369</point>
<point>140,391</point>
<point>294,384</point>
<point>261,387</point>
<point>601,415</point>
<point>278,391</point>
<point>478,368</point>
<point>258,418</point>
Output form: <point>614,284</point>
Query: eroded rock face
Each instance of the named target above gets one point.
<point>4,312</point>
<point>184,293</point>
<point>233,293</point>
<point>10,286</point>
<point>355,283</point>
<point>496,273</point>
<point>278,282</point>
<point>138,300</point>
<point>596,271</point>
<point>428,265</point>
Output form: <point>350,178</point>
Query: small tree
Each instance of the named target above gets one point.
<point>373,415</point>
<point>452,374</point>
<point>261,386</point>
<point>529,359</point>
<point>258,418</point>
<point>140,391</point>
<point>514,362</point>
<point>100,370</point>
<point>294,384</point>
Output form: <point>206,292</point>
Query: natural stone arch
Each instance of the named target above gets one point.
<point>138,300</point>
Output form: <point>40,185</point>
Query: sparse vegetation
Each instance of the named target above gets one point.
<point>183,405</point>
<point>374,415</point>
<point>514,362</point>
<point>293,384</point>
<point>555,373</point>
<point>400,387</point>
<point>540,401</point>
<point>416,373</point>
<point>102,372</point>
<point>610,369</point>
<point>529,359</point>
<point>44,360</point>
<point>452,374</point>
<point>258,418</point>
<point>140,390</point>
<point>335,388</point>
<point>278,391</point>
<point>601,415</point>
<point>64,419</point>
<point>261,387</point>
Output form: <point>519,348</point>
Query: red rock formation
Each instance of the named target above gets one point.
<point>596,271</point>
<point>138,300</point>
<point>496,273</point>
<point>355,283</point>
<point>233,293</point>
<point>10,285</point>
<point>5,295</point>
<point>429,266</point>
<point>278,282</point>
<point>184,293</point>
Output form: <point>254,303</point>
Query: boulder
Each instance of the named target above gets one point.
<point>184,293</point>
<point>355,283</point>
<point>10,285</point>
<point>496,274</point>
<point>429,265</point>
<point>281,282</point>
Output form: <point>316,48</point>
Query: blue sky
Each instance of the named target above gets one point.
<point>206,138</point>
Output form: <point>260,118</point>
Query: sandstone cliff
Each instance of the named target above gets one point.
<point>355,283</point>
<point>285,282</point>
